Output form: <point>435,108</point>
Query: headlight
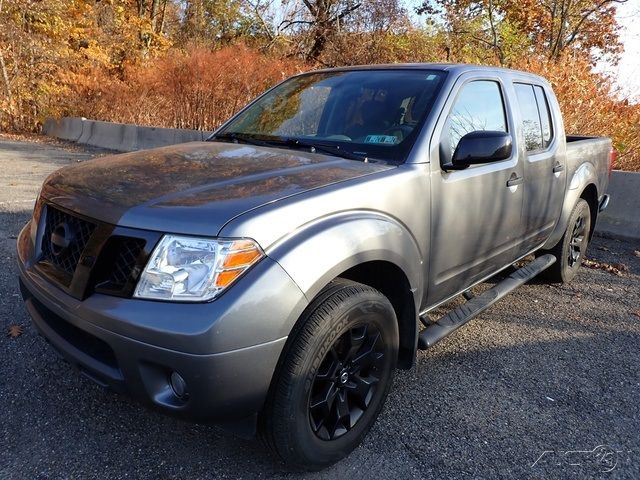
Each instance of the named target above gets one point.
<point>191,269</point>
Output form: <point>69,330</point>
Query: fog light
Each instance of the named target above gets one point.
<point>178,385</point>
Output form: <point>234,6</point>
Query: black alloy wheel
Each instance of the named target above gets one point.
<point>572,247</point>
<point>578,235</point>
<point>346,381</point>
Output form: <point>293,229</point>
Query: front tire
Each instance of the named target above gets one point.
<point>572,247</point>
<point>333,378</point>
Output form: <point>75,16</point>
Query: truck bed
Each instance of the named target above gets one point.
<point>595,151</point>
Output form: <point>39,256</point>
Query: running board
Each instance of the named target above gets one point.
<point>476,305</point>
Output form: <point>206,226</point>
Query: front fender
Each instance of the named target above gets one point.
<point>584,175</point>
<point>318,252</point>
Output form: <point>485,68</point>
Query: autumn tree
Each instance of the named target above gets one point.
<point>39,42</point>
<point>218,21</point>
<point>314,29</point>
<point>551,28</point>
<point>558,26</point>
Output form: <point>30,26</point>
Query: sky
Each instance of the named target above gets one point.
<point>627,73</point>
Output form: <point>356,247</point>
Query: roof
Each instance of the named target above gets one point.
<point>454,68</point>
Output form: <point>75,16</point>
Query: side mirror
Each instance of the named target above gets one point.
<point>481,146</point>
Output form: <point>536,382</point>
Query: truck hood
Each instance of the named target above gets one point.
<point>192,188</point>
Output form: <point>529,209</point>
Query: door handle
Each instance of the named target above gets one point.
<point>558,167</point>
<point>514,180</point>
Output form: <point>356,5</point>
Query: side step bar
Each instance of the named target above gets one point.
<point>476,305</point>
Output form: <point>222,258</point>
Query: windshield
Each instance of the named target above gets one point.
<point>362,113</point>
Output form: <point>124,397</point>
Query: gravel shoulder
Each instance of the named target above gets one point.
<point>545,379</point>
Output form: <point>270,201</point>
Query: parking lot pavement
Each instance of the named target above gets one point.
<point>544,384</point>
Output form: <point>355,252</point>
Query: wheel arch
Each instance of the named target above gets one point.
<point>366,247</point>
<point>581,185</point>
<point>391,281</point>
<point>590,195</point>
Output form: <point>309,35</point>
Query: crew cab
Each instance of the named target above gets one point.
<point>272,278</point>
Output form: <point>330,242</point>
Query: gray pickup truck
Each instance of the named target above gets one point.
<point>272,278</point>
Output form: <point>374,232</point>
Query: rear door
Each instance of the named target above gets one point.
<point>476,212</point>
<point>544,164</point>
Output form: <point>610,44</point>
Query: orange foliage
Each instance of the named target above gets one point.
<point>199,89</point>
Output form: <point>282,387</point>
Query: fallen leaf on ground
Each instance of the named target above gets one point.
<point>637,253</point>
<point>615,268</point>
<point>14,331</point>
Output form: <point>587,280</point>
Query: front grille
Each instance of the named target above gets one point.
<point>95,256</point>
<point>119,264</point>
<point>66,260</point>
<point>124,267</point>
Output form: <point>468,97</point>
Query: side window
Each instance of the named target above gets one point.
<point>545,116</point>
<point>530,117</point>
<point>479,106</point>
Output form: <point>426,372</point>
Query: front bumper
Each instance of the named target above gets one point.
<point>225,350</point>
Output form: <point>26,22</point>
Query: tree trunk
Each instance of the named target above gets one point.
<point>162,17</point>
<point>7,85</point>
<point>153,14</point>
<point>7,89</point>
<point>319,42</point>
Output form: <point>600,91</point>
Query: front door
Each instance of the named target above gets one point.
<point>476,212</point>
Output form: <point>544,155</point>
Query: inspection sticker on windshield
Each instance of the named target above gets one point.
<point>387,139</point>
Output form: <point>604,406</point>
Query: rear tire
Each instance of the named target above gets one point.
<point>572,247</point>
<point>333,378</point>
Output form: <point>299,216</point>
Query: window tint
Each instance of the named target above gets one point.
<point>478,107</point>
<point>530,117</point>
<point>375,113</point>
<point>545,116</point>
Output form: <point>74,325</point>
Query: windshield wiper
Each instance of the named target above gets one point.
<point>291,142</point>
<point>325,148</point>
<point>241,138</point>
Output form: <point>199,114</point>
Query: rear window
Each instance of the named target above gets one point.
<point>535,116</point>
<point>545,116</point>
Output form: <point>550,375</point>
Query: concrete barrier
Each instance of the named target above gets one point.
<point>129,138</point>
<point>51,126</point>
<point>87,130</point>
<point>622,216</point>
<point>66,128</point>
<point>118,136</point>
<point>106,135</point>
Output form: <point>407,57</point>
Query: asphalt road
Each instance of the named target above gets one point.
<point>545,384</point>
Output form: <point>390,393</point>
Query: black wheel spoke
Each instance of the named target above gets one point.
<point>329,366</point>
<point>362,388</point>
<point>323,402</point>
<point>357,337</point>
<point>342,407</point>
<point>368,357</point>
<point>346,381</point>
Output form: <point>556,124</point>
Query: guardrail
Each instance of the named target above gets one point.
<point>620,219</point>
<point>118,136</point>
